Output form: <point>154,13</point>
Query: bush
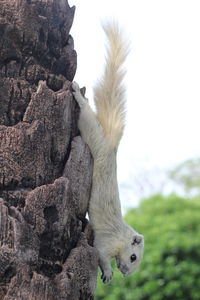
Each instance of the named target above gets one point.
<point>170,267</point>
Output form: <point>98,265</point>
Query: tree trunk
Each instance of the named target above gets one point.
<point>45,168</point>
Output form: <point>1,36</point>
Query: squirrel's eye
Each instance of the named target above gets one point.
<point>133,258</point>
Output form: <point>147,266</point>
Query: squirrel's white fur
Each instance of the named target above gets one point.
<point>102,132</point>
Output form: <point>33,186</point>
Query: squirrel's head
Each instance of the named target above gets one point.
<point>131,252</point>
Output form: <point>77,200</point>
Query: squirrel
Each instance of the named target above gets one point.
<point>102,132</point>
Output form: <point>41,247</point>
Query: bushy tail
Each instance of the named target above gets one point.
<point>109,91</point>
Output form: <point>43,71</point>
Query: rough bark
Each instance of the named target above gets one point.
<point>45,168</point>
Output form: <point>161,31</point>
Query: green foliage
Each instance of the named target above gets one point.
<point>170,267</point>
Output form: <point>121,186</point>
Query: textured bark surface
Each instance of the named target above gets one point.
<point>45,168</point>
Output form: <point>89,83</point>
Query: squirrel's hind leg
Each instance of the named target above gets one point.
<point>91,130</point>
<point>82,101</point>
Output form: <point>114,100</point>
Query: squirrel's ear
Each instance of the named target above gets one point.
<point>137,239</point>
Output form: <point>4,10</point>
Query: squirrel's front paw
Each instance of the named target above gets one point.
<point>106,276</point>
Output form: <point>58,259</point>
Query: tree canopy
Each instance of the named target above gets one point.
<point>187,174</point>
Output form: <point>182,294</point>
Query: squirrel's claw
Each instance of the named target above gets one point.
<point>106,277</point>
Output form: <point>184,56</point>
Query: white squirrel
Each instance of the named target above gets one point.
<point>102,133</point>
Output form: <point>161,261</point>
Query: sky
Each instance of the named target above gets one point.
<point>162,84</point>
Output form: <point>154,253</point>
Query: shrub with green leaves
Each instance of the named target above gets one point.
<point>170,269</point>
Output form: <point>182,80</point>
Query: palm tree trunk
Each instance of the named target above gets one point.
<point>45,168</point>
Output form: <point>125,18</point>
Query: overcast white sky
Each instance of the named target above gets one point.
<point>163,81</point>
